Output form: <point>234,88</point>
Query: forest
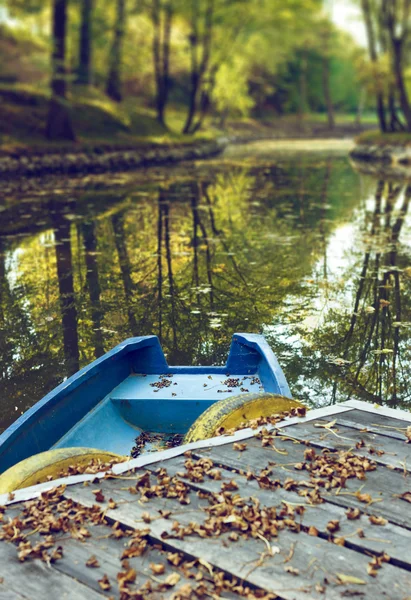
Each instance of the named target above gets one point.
<point>126,69</point>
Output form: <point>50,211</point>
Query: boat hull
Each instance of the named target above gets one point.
<point>107,404</point>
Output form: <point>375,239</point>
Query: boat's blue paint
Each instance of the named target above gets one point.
<point>107,404</point>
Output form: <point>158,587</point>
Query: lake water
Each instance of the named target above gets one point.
<point>285,241</point>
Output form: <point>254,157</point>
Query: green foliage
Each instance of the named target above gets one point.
<point>230,94</point>
<point>254,64</point>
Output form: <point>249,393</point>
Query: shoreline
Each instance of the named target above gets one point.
<point>101,160</point>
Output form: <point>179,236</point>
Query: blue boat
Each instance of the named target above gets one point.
<point>132,389</point>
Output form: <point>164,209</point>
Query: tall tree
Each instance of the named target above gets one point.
<point>396,17</point>
<point>113,86</point>
<point>161,15</point>
<point>200,40</point>
<point>59,124</point>
<point>84,73</point>
<point>370,27</point>
<point>326,64</point>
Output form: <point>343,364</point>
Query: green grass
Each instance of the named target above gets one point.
<point>343,118</point>
<point>97,121</point>
<point>384,139</point>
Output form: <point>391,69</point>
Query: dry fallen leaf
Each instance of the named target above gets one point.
<point>350,579</point>
<point>158,569</point>
<point>333,525</point>
<point>172,579</point>
<point>99,495</point>
<point>366,498</point>
<point>353,513</point>
<point>92,562</point>
<point>239,447</point>
<point>377,520</point>
<point>405,496</point>
<point>292,570</point>
<point>104,583</point>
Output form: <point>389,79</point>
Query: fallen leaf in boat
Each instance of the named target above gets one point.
<point>406,496</point>
<point>353,513</point>
<point>350,579</point>
<point>313,531</point>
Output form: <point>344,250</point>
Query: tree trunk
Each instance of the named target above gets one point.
<point>113,87</point>
<point>198,70</point>
<point>59,124</point>
<point>327,92</point>
<point>161,55</point>
<point>372,49</point>
<point>395,122</point>
<point>397,46</point>
<point>84,66</point>
<point>302,82</point>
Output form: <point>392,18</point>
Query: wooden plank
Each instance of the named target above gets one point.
<point>36,581</point>
<point>375,423</point>
<point>108,551</point>
<point>396,454</point>
<point>383,484</point>
<point>360,534</point>
<point>315,558</point>
<point>384,411</point>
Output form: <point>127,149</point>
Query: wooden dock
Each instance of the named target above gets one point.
<point>317,507</point>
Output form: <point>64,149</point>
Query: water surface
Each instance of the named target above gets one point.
<point>287,242</point>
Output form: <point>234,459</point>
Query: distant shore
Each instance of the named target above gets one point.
<point>392,149</point>
<point>102,159</point>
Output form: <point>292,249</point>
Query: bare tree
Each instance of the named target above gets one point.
<point>113,86</point>
<point>84,67</point>
<point>59,124</point>
<point>161,15</point>
<point>396,16</point>
<point>200,53</point>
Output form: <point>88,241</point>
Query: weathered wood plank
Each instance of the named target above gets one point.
<point>314,557</point>
<point>108,551</point>
<point>396,454</point>
<point>36,581</point>
<point>375,423</point>
<point>360,534</point>
<point>383,484</point>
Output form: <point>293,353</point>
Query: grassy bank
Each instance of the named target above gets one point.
<point>376,138</point>
<point>97,121</point>
<point>103,125</point>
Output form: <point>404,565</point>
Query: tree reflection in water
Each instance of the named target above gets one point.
<point>198,253</point>
<point>359,347</point>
